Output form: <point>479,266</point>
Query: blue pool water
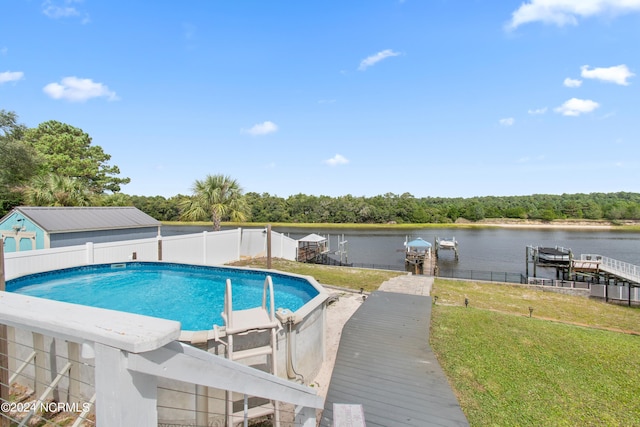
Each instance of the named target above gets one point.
<point>192,295</point>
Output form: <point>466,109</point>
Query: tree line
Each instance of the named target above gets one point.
<point>56,164</point>
<point>402,209</point>
<point>405,208</point>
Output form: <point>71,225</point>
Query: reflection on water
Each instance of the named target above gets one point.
<point>484,249</point>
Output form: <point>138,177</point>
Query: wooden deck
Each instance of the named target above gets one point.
<point>384,363</point>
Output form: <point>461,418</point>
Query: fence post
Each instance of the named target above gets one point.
<point>159,248</point>
<point>123,397</point>
<point>90,253</point>
<point>268,246</point>
<point>204,247</point>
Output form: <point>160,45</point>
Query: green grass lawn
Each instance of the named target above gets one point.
<point>345,277</point>
<point>509,369</point>
<point>516,299</point>
<point>565,366</point>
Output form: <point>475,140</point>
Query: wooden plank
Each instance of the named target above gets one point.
<point>385,364</point>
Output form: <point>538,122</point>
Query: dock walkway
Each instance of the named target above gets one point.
<point>384,361</point>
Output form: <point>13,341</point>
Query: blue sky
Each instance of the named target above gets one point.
<point>364,97</point>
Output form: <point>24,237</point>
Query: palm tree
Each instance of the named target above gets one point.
<point>57,190</point>
<point>217,197</point>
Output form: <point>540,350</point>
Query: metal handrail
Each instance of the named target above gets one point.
<point>619,268</point>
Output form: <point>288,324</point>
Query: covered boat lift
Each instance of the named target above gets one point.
<point>312,247</point>
<point>417,252</point>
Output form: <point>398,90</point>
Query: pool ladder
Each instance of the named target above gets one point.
<point>243,322</point>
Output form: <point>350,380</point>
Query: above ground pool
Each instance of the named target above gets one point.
<point>192,295</point>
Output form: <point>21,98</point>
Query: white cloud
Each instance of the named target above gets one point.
<point>617,74</point>
<point>529,159</point>
<point>78,90</point>
<point>538,111</point>
<point>567,12</point>
<point>11,76</point>
<point>189,31</point>
<point>373,59</point>
<point>509,121</point>
<point>568,82</point>
<point>575,107</point>
<point>63,9</point>
<point>263,128</point>
<point>336,160</point>
<point>55,11</point>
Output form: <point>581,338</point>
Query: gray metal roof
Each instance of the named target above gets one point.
<point>70,219</point>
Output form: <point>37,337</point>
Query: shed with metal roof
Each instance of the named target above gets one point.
<point>34,227</point>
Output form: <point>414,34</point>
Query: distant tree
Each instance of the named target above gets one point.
<point>217,197</point>
<point>267,208</point>
<point>57,190</point>
<point>9,126</point>
<point>159,207</point>
<point>302,208</point>
<point>67,151</point>
<point>115,199</point>
<point>18,161</point>
<point>474,211</point>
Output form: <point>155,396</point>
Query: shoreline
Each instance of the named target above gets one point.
<point>627,225</point>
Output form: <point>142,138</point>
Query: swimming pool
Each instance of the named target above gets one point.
<point>192,295</point>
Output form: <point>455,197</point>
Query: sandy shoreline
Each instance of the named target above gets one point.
<point>592,225</point>
<point>555,226</point>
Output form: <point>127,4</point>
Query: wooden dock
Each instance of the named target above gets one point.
<point>385,364</point>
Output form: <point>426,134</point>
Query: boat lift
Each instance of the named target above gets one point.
<point>447,244</point>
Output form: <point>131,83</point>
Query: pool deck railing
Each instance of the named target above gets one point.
<point>131,355</point>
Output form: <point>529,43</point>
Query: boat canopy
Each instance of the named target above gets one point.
<point>418,243</point>
<point>313,238</point>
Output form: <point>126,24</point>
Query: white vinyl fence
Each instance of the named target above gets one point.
<point>206,248</point>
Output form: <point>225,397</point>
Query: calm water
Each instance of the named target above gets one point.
<point>488,249</point>
<point>192,295</point>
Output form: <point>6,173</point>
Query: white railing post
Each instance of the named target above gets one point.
<point>202,405</point>
<point>239,254</point>
<point>39,364</point>
<point>123,397</point>
<point>73,353</point>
